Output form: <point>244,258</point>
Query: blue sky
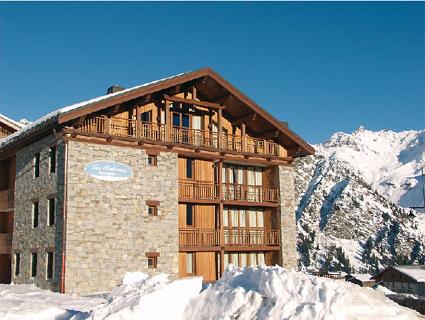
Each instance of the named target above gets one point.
<point>323,67</point>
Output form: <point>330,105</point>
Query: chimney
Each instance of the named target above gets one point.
<point>114,88</point>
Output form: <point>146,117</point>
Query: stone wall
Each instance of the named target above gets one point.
<point>28,189</point>
<point>287,217</point>
<point>108,229</point>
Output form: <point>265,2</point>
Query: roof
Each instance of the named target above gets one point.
<point>221,87</point>
<point>10,122</point>
<point>415,272</point>
<point>363,277</point>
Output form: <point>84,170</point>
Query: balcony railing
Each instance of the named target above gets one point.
<point>244,237</point>
<point>193,189</point>
<point>7,199</point>
<point>158,132</point>
<point>5,243</point>
<point>250,193</point>
<point>199,237</point>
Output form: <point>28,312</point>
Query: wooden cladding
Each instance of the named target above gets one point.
<point>5,243</point>
<point>7,199</point>
<point>178,135</point>
<point>240,237</point>
<point>203,190</point>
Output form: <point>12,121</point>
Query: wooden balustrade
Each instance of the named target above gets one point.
<point>5,243</point>
<point>199,237</point>
<point>251,237</point>
<point>193,189</point>
<point>241,237</point>
<point>4,132</point>
<point>7,199</point>
<point>242,192</point>
<point>157,132</point>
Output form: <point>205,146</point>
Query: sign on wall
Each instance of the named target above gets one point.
<point>108,170</point>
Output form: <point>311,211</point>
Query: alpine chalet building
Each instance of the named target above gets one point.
<point>184,175</point>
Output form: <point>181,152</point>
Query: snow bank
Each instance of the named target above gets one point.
<point>274,293</point>
<point>243,293</point>
<point>27,302</point>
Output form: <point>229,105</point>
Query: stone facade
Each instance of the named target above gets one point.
<point>288,227</point>
<point>29,189</point>
<point>108,229</point>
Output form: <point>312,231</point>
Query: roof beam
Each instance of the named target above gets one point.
<point>194,102</point>
<point>270,133</point>
<point>251,116</point>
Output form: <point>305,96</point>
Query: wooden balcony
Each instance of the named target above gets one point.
<point>184,136</point>
<point>234,237</point>
<point>249,193</point>
<point>5,243</point>
<point>7,201</point>
<point>193,189</point>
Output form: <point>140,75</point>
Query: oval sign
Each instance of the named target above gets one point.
<point>108,170</point>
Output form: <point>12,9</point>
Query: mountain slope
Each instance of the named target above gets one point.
<point>346,215</point>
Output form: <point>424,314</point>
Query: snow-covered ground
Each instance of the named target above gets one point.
<point>242,293</point>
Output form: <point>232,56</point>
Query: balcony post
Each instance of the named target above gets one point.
<point>243,129</point>
<point>167,120</point>
<point>220,215</point>
<point>107,125</point>
<point>220,129</point>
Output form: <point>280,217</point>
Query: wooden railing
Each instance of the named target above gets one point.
<point>193,189</point>
<point>7,199</point>
<point>244,237</point>
<point>241,192</point>
<point>189,237</point>
<point>4,132</point>
<point>251,237</point>
<point>5,243</point>
<point>158,132</point>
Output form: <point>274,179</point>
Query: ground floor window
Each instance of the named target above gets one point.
<point>190,263</point>
<point>17,264</point>
<point>49,265</point>
<point>33,264</point>
<point>152,259</point>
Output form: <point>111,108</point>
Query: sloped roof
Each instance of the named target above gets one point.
<point>415,272</point>
<point>10,122</point>
<point>217,87</point>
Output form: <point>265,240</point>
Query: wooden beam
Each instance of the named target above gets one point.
<point>270,133</point>
<point>79,121</point>
<point>251,116</point>
<point>220,128</point>
<point>194,102</point>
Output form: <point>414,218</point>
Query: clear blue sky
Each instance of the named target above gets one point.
<point>323,67</point>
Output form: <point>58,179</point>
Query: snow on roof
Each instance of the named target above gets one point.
<point>416,272</point>
<point>13,122</point>
<point>361,276</point>
<point>53,116</point>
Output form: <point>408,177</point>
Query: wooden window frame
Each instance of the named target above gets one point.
<point>50,273</point>
<point>193,254</point>
<point>152,204</point>
<point>152,160</point>
<point>35,222</point>
<point>36,162</point>
<point>152,259</point>
<point>51,222</point>
<point>52,159</point>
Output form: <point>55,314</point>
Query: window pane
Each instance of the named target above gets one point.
<point>189,165</point>
<point>260,216</point>
<point>225,217</point>
<point>234,215</point>
<point>176,119</point>
<point>261,260</point>
<point>242,218</point>
<point>51,213</point>
<point>52,160</point>
<point>33,264</point>
<point>189,214</point>
<point>253,259</point>
<point>17,264</point>
<point>35,215</point>
<point>37,165</point>
<point>49,271</point>
<point>243,259</point>
<point>226,260</point>
<point>235,259</point>
<point>189,262</point>
<point>252,218</point>
<point>185,121</point>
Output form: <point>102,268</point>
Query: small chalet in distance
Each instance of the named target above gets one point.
<point>183,175</point>
<point>403,279</point>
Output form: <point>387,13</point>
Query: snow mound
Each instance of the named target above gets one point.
<point>274,293</point>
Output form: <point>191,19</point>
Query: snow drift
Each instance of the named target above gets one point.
<point>242,293</point>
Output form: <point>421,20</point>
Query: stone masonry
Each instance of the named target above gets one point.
<point>287,217</point>
<point>28,189</point>
<point>108,229</point>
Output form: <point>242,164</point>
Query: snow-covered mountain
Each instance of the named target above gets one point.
<point>353,198</point>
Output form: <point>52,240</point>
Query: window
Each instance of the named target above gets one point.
<point>176,119</point>
<point>152,259</point>
<point>152,160</point>
<point>51,211</point>
<point>49,265</point>
<point>190,263</point>
<point>189,168</point>
<point>35,211</point>
<point>37,165</point>
<point>52,159</point>
<point>33,264</point>
<point>146,116</point>
<point>181,120</point>
<point>17,264</point>
<point>153,211</point>
<point>189,215</point>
